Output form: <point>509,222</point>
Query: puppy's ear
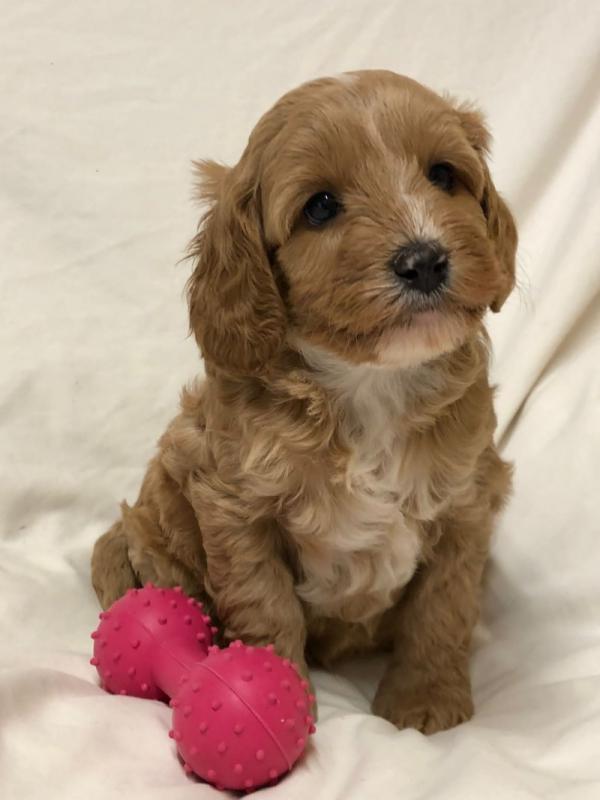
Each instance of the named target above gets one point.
<point>236,312</point>
<point>500,223</point>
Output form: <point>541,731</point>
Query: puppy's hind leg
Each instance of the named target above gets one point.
<point>112,573</point>
<point>157,539</point>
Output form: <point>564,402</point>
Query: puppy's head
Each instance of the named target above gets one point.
<point>361,219</point>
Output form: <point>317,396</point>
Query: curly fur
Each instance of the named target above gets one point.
<point>331,485</point>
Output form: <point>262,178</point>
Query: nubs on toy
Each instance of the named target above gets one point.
<point>241,715</point>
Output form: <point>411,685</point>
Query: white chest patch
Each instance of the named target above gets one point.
<point>357,548</point>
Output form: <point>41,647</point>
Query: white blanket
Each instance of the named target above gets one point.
<point>103,105</point>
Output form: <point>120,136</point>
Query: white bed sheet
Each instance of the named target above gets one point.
<point>103,105</point>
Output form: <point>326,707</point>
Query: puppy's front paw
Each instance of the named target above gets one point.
<point>429,706</point>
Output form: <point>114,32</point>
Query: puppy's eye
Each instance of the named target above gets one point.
<point>321,207</point>
<point>442,175</point>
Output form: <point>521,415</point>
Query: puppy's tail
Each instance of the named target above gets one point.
<point>112,573</point>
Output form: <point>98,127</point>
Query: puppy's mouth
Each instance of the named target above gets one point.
<point>416,302</point>
<point>427,331</point>
<point>421,310</point>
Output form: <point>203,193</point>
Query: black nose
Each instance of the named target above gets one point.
<point>422,266</point>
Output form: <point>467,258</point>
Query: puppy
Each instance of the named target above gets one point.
<point>331,484</point>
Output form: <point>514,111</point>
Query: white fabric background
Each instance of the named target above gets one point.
<point>102,107</point>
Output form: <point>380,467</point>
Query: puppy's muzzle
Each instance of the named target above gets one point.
<point>421,266</point>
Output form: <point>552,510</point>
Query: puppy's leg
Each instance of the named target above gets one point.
<point>156,540</point>
<point>112,573</point>
<point>157,550</point>
<point>427,684</point>
<point>253,590</point>
<point>246,574</point>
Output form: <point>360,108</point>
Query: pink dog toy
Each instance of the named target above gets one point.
<point>241,715</point>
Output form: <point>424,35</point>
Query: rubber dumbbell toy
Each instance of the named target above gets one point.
<point>241,715</point>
